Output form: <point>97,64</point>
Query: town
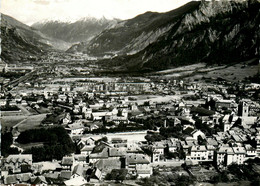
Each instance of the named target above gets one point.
<point>62,128</point>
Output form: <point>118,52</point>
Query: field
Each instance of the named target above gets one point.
<point>31,122</point>
<point>10,121</point>
<point>29,145</point>
<point>26,119</point>
<point>236,72</point>
<point>184,68</point>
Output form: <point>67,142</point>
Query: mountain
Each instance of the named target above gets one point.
<point>20,42</point>
<point>81,30</point>
<point>133,35</point>
<point>208,31</point>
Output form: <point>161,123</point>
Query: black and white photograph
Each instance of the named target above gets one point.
<point>130,92</point>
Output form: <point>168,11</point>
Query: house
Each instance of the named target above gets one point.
<point>116,153</point>
<point>107,165</point>
<point>76,128</point>
<point>250,152</point>
<point>62,98</point>
<point>14,163</point>
<point>67,119</point>
<point>93,125</point>
<point>248,120</point>
<point>224,156</point>
<point>79,180</point>
<point>229,121</point>
<point>67,163</point>
<point>65,174</point>
<point>172,145</point>
<point>99,115</point>
<point>158,151</point>
<point>138,164</point>
<point>24,103</point>
<point>88,113</point>
<point>80,159</point>
<point>198,153</point>
<point>211,141</point>
<point>118,141</point>
<point>3,102</point>
<point>210,151</point>
<point>185,126</point>
<point>90,141</point>
<point>225,103</point>
<point>103,154</point>
<point>228,155</point>
<point>239,155</point>
<point>77,171</point>
<point>86,150</point>
<point>196,133</point>
<point>17,178</point>
<point>39,180</point>
<point>119,119</point>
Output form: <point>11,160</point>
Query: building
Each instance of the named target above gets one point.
<point>243,109</point>
<point>196,133</point>
<point>158,150</point>
<point>67,163</point>
<point>14,163</point>
<point>224,103</point>
<point>76,128</point>
<point>138,164</point>
<point>229,155</point>
<point>198,153</point>
<point>250,152</point>
<point>224,156</point>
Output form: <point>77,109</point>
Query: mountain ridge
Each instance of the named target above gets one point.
<point>20,42</point>
<point>123,34</point>
<point>73,32</point>
<point>212,32</point>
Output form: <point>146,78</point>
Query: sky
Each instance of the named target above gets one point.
<point>31,11</point>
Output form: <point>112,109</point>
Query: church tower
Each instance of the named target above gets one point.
<point>243,109</point>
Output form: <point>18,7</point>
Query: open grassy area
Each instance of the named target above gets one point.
<point>183,68</point>
<point>30,145</point>
<point>10,121</point>
<point>235,72</point>
<point>31,122</point>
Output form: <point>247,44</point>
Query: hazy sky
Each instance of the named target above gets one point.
<point>30,11</point>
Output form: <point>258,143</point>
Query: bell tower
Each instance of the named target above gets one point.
<point>243,109</point>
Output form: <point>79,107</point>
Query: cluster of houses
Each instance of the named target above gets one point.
<point>93,163</point>
<point>92,105</point>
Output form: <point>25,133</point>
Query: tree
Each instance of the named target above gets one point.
<point>119,113</point>
<point>146,103</point>
<point>221,177</point>
<point>6,142</point>
<point>57,143</point>
<point>184,180</point>
<point>117,174</point>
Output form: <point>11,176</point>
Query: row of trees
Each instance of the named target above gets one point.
<point>6,142</point>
